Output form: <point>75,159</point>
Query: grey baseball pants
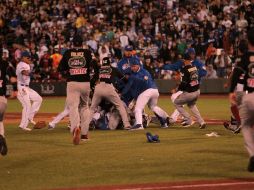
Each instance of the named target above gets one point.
<point>77,99</point>
<point>247,121</point>
<point>108,92</point>
<point>189,98</point>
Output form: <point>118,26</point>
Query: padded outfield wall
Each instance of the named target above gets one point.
<point>208,86</point>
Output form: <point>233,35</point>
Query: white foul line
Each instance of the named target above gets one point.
<point>191,186</point>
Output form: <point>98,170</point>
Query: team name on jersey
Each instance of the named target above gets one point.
<point>192,69</point>
<point>104,76</point>
<point>77,54</point>
<point>77,62</point>
<point>78,71</point>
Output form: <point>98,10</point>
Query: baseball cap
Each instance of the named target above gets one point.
<point>191,50</point>
<point>134,61</point>
<point>25,54</point>
<point>128,48</point>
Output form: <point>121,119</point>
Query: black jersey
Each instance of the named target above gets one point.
<point>76,64</point>
<point>248,66</point>
<point>189,79</point>
<point>3,80</point>
<point>109,74</point>
<point>237,79</point>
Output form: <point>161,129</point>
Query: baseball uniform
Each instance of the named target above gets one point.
<point>26,95</point>
<point>3,104</point>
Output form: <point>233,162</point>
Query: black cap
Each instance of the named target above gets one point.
<point>77,40</point>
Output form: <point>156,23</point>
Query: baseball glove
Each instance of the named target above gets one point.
<point>40,125</point>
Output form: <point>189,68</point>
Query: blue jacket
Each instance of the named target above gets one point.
<point>133,88</point>
<point>143,74</point>
<point>124,64</point>
<point>137,83</point>
<point>179,64</point>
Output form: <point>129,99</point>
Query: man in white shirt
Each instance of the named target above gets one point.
<point>26,95</point>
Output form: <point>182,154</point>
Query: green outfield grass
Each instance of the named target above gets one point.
<point>44,159</point>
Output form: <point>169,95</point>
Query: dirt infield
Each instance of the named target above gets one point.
<point>11,118</point>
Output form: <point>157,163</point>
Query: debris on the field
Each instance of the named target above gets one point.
<point>212,134</point>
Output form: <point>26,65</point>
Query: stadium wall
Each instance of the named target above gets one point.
<point>208,86</point>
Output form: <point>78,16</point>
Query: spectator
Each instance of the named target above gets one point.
<point>211,73</point>
<point>222,61</point>
<point>179,24</point>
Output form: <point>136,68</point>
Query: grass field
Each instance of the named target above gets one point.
<point>44,159</point>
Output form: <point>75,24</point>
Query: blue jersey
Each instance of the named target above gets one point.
<point>133,88</point>
<point>179,64</point>
<point>143,74</point>
<point>124,64</point>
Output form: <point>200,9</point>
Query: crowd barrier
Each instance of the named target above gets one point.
<point>208,86</point>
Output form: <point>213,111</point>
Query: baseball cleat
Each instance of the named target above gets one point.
<point>84,138</point>
<point>237,130</point>
<point>127,128</point>
<point>202,126</point>
<point>164,126</point>
<point>137,127</point>
<point>25,128</point>
<point>3,146</point>
<point>232,127</point>
<point>185,124</point>
<point>50,127</point>
<point>251,164</point>
<point>76,136</point>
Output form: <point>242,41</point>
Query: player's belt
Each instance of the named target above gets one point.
<point>24,85</point>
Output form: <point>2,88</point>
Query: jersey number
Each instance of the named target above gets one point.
<point>250,82</point>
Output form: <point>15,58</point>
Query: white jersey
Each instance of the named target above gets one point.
<point>22,80</point>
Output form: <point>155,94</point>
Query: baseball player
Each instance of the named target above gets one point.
<point>143,89</point>
<point>3,103</point>
<point>76,64</point>
<point>26,95</point>
<point>189,93</point>
<point>105,90</point>
<point>247,106</point>
<point>191,53</point>
<point>236,89</point>
<point>124,64</point>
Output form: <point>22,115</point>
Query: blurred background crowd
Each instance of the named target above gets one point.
<point>160,31</point>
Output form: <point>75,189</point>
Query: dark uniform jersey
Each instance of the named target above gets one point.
<point>76,64</point>
<point>3,80</point>
<point>189,80</point>
<point>248,64</point>
<point>237,80</point>
<point>110,75</point>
